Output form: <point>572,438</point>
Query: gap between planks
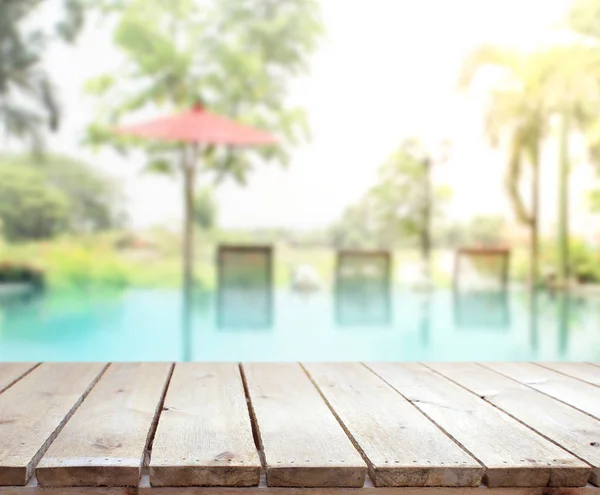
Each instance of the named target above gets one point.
<point>11,373</point>
<point>566,427</point>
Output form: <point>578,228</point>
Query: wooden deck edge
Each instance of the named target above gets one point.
<point>26,490</point>
<point>144,488</point>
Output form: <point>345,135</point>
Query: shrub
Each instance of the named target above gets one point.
<point>11,272</point>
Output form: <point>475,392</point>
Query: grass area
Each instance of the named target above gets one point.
<point>107,262</point>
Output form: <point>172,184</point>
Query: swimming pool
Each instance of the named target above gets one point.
<point>146,325</point>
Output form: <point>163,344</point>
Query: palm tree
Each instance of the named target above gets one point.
<point>28,101</point>
<point>516,118</point>
<point>559,81</point>
<point>573,95</point>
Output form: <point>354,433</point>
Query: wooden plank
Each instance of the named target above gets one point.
<point>105,441</point>
<point>406,448</point>
<point>582,371</point>
<point>145,489</point>
<point>572,391</point>
<point>33,411</point>
<point>11,372</point>
<point>303,443</point>
<point>204,436</point>
<point>571,429</point>
<point>512,453</point>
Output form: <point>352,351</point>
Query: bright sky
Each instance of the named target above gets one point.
<point>387,68</point>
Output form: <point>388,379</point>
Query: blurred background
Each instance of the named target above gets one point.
<point>433,192</point>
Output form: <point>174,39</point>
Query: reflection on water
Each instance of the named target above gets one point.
<point>362,289</point>
<point>481,309</point>
<point>396,324</point>
<point>244,288</point>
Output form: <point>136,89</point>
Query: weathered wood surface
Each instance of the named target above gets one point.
<point>527,424</point>
<point>11,372</point>
<point>573,430</point>
<point>303,443</point>
<point>572,391</point>
<point>105,441</point>
<point>368,489</point>
<point>512,453</point>
<point>204,436</point>
<point>583,371</point>
<point>401,446</point>
<point>33,411</point>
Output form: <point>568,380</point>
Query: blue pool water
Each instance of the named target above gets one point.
<point>146,325</point>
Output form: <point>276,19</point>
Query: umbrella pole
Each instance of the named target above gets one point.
<point>190,155</point>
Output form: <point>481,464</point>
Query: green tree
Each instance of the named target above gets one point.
<point>28,100</point>
<point>405,200</point>
<point>517,119</point>
<point>358,227</point>
<point>573,98</point>
<point>480,230</point>
<point>95,201</point>
<point>29,208</point>
<point>205,209</point>
<point>236,56</point>
<point>559,81</point>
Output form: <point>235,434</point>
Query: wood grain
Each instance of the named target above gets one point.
<point>582,371</point>
<point>204,436</point>
<point>573,430</point>
<point>34,410</point>
<point>512,453</point>
<point>11,372</point>
<point>572,391</point>
<point>105,441</point>
<point>401,446</point>
<point>145,489</point>
<point>303,443</point>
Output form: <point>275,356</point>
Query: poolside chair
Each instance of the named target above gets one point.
<point>362,288</point>
<point>484,302</point>
<point>484,262</point>
<point>244,287</point>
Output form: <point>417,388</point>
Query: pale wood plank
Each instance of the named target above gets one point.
<point>582,371</point>
<point>303,443</point>
<point>401,446</point>
<point>11,372</point>
<point>573,430</point>
<point>204,436</point>
<point>145,489</point>
<point>572,391</point>
<point>512,453</point>
<point>33,411</point>
<point>105,441</point>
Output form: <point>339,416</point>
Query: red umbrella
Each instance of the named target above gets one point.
<point>193,127</point>
<point>199,126</point>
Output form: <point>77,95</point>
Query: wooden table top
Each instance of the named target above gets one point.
<point>209,428</point>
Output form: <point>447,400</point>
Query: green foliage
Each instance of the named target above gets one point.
<point>594,200</point>
<point>584,259</point>
<point>399,209</point>
<point>237,56</point>
<point>20,273</point>
<point>405,199</point>
<point>29,207</point>
<point>45,196</point>
<point>480,231</point>
<point>205,209</point>
<point>358,228</point>
<point>585,17</point>
<point>28,100</point>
